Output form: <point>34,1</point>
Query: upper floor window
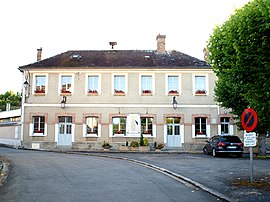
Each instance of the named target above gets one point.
<point>40,84</point>
<point>66,84</point>
<point>93,84</point>
<point>146,84</point>
<point>200,84</point>
<point>119,84</point>
<point>173,85</point>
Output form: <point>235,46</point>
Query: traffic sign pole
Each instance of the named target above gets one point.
<point>249,122</point>
<point>251,164</point>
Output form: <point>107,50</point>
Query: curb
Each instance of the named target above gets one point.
<point>4,171</point>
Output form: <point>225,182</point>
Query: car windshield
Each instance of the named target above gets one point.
<point>230,139</point>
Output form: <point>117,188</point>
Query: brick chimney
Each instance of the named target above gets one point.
<point>161,44</point>
<point>39,53</point>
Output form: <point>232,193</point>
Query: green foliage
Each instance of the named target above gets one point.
<point>12,98</point>
<point>239,51</point>
<point>134,144</point>
<point>145,141</point>
<point>141,140</point>
<point>106,145</point>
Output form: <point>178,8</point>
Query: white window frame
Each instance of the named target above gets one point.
<point>207,129</point>
<point>99,83</point>
<point>93,134</point>
<point>126,82</point>
<point>34,82</point>
<point>31,128</point>
<point>206,84</point>
<point>60,82</point>
<point>167,86</point>
<point>140,82</point>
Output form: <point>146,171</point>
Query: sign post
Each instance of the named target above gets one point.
<point>250,141</point>
<point>249,122</point>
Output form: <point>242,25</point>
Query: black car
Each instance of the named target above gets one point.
<point>224,144</point>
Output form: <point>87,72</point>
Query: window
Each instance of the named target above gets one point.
<point>66,84</point>
<point>91,126</point>
<point>147,126</point>
<point>146,84</point>
<point>40,84</point>
<point>200,126</point>
<point>119,125</point>
<point>38,125</point>
<point>173,85</point>
<point>173,125</point>
<point>119,84</point>
<point>200,85</point>
<point>224,122</point>
<point>93,84</point>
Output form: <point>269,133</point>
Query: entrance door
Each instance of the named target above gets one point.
<point>65,131</point>
<point>173,132</point>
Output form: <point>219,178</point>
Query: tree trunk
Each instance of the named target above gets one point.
<point>261,145</point>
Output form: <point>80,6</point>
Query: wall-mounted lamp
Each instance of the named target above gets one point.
<point>174,103</point>
<point>26,83</point>
<point>63,102</point>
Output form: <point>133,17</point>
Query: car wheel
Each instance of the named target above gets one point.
<point>205,151</point>
<point>214,154</point>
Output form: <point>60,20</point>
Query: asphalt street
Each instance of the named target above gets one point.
<point>49,176</point>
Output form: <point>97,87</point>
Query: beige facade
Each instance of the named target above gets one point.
<point>106,104</point>
<point>80,99</point>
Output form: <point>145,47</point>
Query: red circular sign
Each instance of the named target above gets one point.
<point>249,119</point>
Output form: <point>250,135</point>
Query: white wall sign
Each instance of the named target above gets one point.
<point>250,139</point>
<point>133,125</point>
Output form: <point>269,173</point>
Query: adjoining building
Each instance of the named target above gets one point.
<point>10,128</point>
<point>82,98</point>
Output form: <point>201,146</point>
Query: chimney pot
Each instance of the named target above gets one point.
<point>39,54</point>
<point>161,44</point>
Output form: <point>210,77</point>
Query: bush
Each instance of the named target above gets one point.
<point>145,142</point>
<point>141,140</point>
<point>134,144</point>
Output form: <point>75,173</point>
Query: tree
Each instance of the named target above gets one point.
<point>239,51</point>
<point>12,98</point>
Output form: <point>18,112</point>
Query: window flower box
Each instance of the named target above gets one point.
<point>200,92</point>
<point>200,133</point>
<point>92,92</point>
<point>119,132</point>
<point>119,92</point>
<point>146,92</point>
<point>173,92</point>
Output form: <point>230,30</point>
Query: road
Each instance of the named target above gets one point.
<point>47,176</point>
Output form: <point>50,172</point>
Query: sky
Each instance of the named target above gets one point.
<point>62,25</point>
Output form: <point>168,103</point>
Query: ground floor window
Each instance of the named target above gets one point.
<point>91,125</point>
<point>119,125</point>
<point>200,125</point>
<point>224,123</point>
<point>39,125</point>
<point>173,125</point>
<point>147,126</point>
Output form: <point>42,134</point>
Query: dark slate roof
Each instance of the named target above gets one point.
<point>119,59</point>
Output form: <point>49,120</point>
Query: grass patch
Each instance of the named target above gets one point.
<point>256,184</point>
